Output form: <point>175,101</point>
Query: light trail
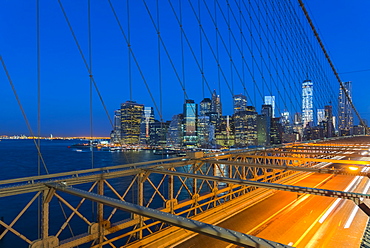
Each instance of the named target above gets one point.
<point>356,208</point>
<point>322,219</point>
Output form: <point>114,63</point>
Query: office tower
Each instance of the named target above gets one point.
<point>307,102</point>
<point>158,133</point>
<point>240,103</point>
<point>245,123</point>
<point>288,134</point>
<point>263,138</point>
<point>345,116</point>
<point>205,132</point>
<point>276,132</point>
<point>264,125</point>
<point>216,104</point>
<point>116,133</point>
<point>297,126</point>
<point>131,116</point>
<point>285,118</point>
<point>175,133</point>
<point>297,118</point>
<point>190,119</point>
<point>267,110</point>
<point>225,132</point>
<point>330,131</point>
<point>148,119</point>
<point>270,100</point>
<point>205,106</point>
<point>320,116</point>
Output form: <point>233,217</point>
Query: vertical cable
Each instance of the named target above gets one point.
<point>90,94</point>
<point>129,49</point>
<point>230,48</point>
<point>182,51</point>
<point>159,66</point>
<point>217,48</point>
<point>201,48</point>
<point>38,108</point>
<point>91,80</point>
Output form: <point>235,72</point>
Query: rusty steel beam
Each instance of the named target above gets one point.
<point>315,153</point>
<point>338,161</point>
<point>284,187</point>
<point>328,148</point>
<point>189,224</point>
<point>293,168</point>
<point>24,185</point>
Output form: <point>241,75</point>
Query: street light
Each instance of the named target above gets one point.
<point>353,168</point>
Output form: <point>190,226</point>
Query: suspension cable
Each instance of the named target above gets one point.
<point>24,114</point>
<point>331,63</point>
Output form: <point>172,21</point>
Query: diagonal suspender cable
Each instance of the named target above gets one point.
<point>38,110</point>
<point>330,62</point>
<point>85,61</point>
<point>134,57</point>
<point>24,114</point>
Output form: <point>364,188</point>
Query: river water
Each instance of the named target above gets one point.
<point>18,158</point>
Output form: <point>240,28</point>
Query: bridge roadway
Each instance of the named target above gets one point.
<point>298,220</point>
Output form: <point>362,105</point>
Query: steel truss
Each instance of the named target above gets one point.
<point>193,187</point>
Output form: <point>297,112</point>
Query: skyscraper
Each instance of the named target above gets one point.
<point>245,123</point>
<point>330,121</point>
<point>116,133</point>
<point>320,116</point>
<point>264,125</point>
<point>240,103</point>
<point>216,104</point>
<point>131,116</point>
<point>148,119</point>
<point>174,136</point>
<point>190,125</point>
<point>205,106</point>
<point>225,131</point>
<point>270,100</point>
<point>307,104</point>
<point>345,120</point>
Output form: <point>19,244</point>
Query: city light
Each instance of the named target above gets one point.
<point>353,168</point>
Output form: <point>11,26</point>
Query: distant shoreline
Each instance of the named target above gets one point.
<point>51,138</point>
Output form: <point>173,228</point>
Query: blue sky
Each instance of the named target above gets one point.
<point>65,85</point>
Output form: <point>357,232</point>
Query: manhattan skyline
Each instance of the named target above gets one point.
<point>65,109</point>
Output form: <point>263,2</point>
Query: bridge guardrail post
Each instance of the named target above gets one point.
<point>194,197</point>
<point>140,202</point>
<point>170,193</point>
<point>100,213</point>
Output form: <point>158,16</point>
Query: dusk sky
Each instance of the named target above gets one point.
<point>65,85</point>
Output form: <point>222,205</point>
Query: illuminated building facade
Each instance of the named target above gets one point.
<point>205,132</point>
<point>190,123</point>
<point>345,116</point>
<point>205,106</point>
<point>216,104</point>
<point>175,133</point>
<point>116,133</point>
<point>320,116</point>
<point>245,123</point>
<point>131,116</point>
<point>307,102</point>
<point>240,103</point>
<point>262,134</point>
<point>270,100</point>
<point>145,129</point>
<point>225,132</point>
<point>330,128</point>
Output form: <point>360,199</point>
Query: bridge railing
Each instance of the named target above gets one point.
<point>68,221</point>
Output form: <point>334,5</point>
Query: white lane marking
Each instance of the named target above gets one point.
<point>322,219</point>
<point>356,208</point>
